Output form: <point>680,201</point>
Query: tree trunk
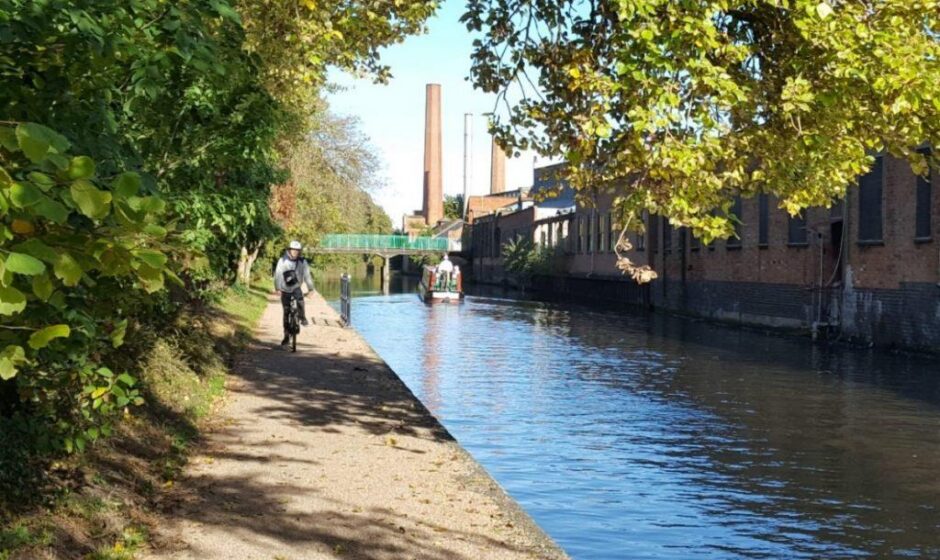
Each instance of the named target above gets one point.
<point>245,263</point>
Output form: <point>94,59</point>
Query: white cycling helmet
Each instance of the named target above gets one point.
<point>295,245</point>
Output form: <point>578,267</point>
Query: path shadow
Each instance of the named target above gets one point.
<point>320,390</point>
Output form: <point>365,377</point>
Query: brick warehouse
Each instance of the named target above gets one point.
<point>867,269</point>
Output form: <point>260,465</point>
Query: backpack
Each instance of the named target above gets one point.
<point>290,275</point>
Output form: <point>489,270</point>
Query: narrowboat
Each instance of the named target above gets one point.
<point>438,288</point>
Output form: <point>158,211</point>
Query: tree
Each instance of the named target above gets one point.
<point>677,107</point>
<point>297,40</point>
<point>331,175</point>
<point>453,207</point>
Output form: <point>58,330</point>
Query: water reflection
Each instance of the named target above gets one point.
<point>631,436</point>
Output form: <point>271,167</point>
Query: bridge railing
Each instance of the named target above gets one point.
<point>383,242</point>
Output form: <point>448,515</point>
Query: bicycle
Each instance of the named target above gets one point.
<point>293,324</point>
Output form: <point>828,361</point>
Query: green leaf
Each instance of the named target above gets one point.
<point>126,185</point>
<point>60,162</point>
<point>127,380</point>
<point>52,209</point>
<point>174,278</point>
<point>41,180</point>
<point>23,195</point>
<point>225,10</point>
<point>24,264</point>
<point>12,301</point>
<point>81,167</point>
<point>155,230</point>
<point>11,357</point>
<point>5,180</point>
<point>117,335</point>
<point>35,141</point>
<point>147,204</point>
<point>38,249</point>
<point>41,338</point>
<point>92,202</point>
<point>824,10</point>
<point>7,369</point>
<point>155,259</point>
<point>42,286</point>
<point>68,270</point>
<point>8,139</point>
<point>151,278</point>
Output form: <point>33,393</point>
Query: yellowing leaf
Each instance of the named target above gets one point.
<point>68,270</point>
<point>824,10</point>
<point>11,357</point>
<point>7,369</point>
<point>41,338</point>
<point>24,264</point>
<point>12,301</point>
<point>22,227</point>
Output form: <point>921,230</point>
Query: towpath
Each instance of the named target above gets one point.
<point>325,453</point>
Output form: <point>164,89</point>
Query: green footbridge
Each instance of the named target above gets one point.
<point>383,245</point>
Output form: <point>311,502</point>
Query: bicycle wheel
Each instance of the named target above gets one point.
<point>293,341</point>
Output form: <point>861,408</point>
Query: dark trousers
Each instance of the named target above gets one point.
<point>285,303</point>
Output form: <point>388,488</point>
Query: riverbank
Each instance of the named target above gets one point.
<point>326,454</point>
<point>102,504</point>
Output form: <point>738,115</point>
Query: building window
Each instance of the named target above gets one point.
<point>922,222</point>
<point>497,242</point>
<point>796,231</point>
<point>640,237</point>
<point>588,238</point>
<point>695,244</point>
<point>763,220</point>
<point>572,235</point>
<point>601,238</point>
<point>870,215</point>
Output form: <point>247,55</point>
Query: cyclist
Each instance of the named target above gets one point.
<point>291,272</point>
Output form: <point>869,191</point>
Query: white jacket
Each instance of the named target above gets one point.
<point>302,269</point>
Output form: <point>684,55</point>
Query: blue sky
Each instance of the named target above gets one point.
<point>392,116</point>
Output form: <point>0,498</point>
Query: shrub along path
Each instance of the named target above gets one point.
<point>326,454</point>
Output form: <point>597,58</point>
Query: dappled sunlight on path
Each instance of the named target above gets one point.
<point>326,454</point>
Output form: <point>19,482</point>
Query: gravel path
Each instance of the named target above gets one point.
<point>326,454</point>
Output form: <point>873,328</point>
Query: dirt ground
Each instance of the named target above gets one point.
<point>326,454</point>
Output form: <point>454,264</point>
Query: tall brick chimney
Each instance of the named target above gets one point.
<point>433,191</point>
<point>497,169</point>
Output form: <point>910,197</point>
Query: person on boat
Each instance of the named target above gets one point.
<point>453,279</point>
<point>444,270</point>
<point>290,274</point>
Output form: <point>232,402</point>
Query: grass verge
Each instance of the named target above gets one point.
<point>108,498</point>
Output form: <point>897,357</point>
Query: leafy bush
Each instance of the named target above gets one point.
<point>79,254</point>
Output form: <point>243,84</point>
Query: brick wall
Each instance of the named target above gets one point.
<point>884,293</point>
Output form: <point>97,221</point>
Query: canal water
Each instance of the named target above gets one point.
<point>627,435</point>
